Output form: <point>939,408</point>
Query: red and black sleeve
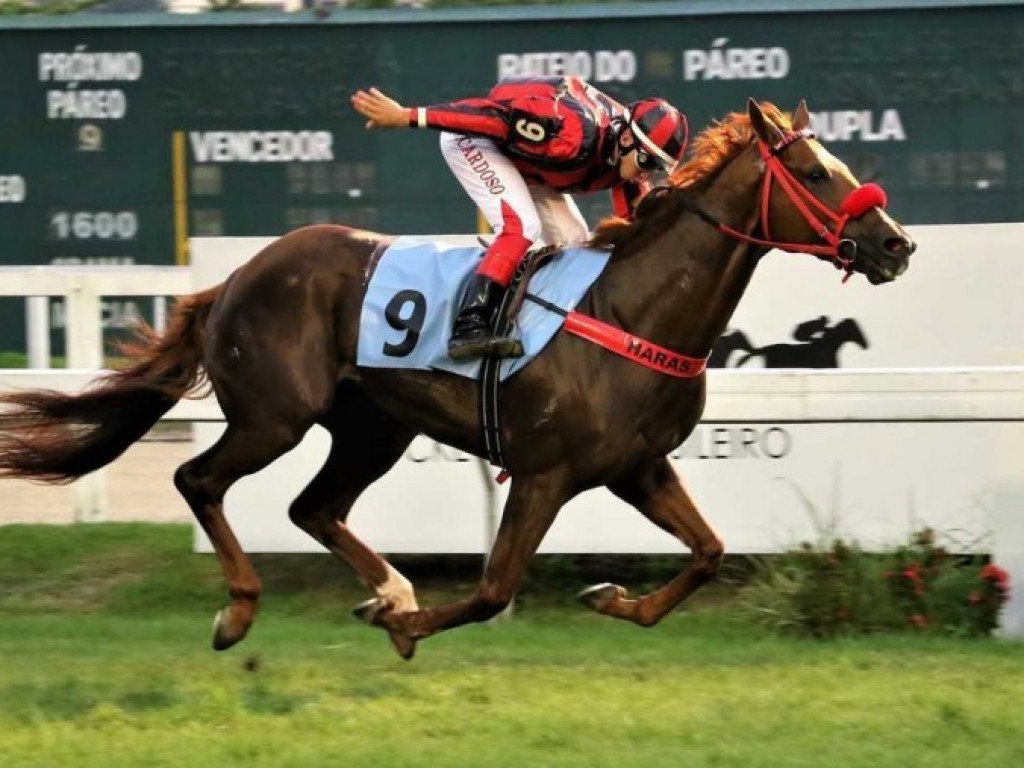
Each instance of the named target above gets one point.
<point>475,117</point>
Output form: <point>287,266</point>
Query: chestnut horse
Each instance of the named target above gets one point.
<point>277,342</point>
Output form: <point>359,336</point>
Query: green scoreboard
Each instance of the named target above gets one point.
<point>123,136</point>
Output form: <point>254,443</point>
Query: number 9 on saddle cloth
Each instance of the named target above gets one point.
<point>413,293</point>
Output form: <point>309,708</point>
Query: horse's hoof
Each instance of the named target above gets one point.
<point>368,610</point>
<point>599,596</point>
<point>403,644</point>
<point>224,635</point>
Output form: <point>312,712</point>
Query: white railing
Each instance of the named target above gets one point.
<point>83,289</point>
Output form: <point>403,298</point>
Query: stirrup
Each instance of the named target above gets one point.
<point>484,345</point>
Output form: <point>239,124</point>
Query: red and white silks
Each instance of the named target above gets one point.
<point>520,215</point>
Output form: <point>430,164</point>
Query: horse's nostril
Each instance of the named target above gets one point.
<point>900,246</point>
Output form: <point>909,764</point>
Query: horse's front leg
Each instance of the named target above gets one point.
<point>532,505</point>
<point>658,493</point>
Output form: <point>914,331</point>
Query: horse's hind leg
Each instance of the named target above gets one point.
<point>661,497</point>
<point>203,481</point>
<point>366,443</point>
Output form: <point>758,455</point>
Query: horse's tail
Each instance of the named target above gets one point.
<point>57,437</point>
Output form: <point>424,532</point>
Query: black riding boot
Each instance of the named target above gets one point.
<point>473,335</point>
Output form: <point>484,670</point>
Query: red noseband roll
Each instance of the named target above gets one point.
<point>862,200</point>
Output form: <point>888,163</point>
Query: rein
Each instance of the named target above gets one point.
<point>842,251</point>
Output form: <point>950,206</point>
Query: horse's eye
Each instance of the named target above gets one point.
<point>818,175</point>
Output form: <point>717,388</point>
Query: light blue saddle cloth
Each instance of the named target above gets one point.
<point>412,299</point>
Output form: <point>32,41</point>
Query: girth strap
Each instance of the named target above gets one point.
<point>490,367</point>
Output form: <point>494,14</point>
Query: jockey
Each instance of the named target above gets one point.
<point>811,330</point>
<point>518,152</point>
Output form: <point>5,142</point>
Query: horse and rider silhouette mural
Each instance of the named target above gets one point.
<point>819,342</point>
<point>615,381</point>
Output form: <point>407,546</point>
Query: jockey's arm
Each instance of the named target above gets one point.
<point>479,117</point>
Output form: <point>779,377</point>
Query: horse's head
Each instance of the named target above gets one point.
<point>850,330</point>
<point>811,202</point>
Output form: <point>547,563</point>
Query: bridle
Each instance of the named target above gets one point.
<point>841,251</point>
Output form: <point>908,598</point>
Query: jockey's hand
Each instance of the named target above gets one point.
<point>382,110</point>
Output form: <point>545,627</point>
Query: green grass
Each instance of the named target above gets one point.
<point>13,359</point>
<point>105,661</point>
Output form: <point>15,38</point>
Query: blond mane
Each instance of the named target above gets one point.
<point>709,152</point>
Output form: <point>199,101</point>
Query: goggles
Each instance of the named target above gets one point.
<point>645,160</point>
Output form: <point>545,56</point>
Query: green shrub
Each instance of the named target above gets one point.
<point>837,588</point>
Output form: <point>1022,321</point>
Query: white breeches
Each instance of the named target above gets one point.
<point>491,180</point>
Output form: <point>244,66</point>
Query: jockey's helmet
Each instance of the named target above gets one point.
<point>661,131</point>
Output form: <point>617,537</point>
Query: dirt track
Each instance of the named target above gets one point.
<point>139,487</point>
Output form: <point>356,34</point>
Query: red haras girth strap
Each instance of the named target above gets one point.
<point>633,348</point>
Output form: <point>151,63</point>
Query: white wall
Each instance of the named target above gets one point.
<point>875,482</point>
<point>960,303</point>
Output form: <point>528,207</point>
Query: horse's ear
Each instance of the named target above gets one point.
<point>766,130</point>
<point>801,116</point>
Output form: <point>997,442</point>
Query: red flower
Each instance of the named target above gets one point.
<point>975,597</point>
<point>997,575</point>
<point>911,574</point>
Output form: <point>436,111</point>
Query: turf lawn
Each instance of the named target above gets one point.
<point>105,661</point>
